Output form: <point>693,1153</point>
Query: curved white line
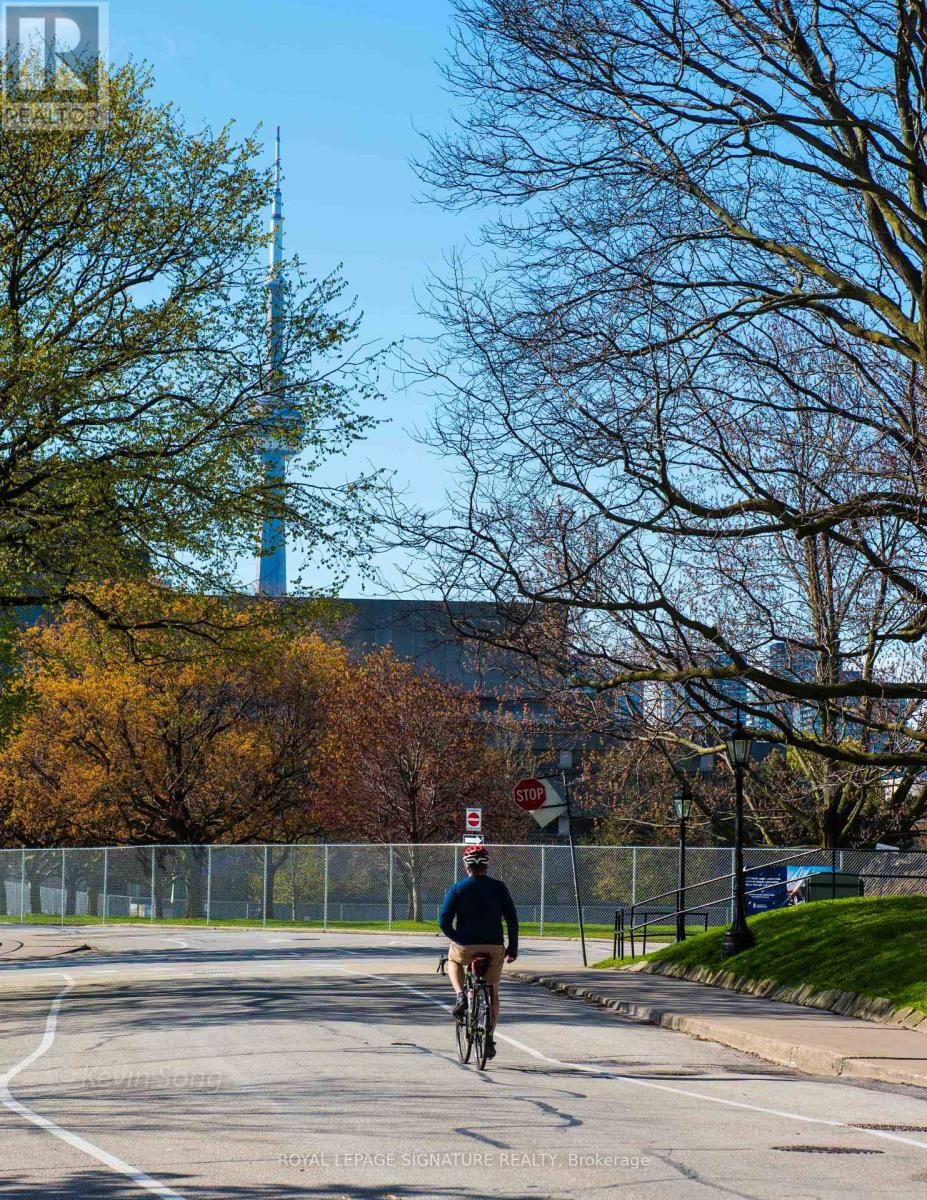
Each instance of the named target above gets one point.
<point>636,1081</point>
<point>8,1100</point>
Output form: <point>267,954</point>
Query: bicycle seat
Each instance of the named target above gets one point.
<point>480,965</point>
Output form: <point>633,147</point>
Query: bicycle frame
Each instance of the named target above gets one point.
<point>475,1027</point>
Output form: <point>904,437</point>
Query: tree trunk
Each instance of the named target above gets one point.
<point>410,868</point>
<point>195,882</point>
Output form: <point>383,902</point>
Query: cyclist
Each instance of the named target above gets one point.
<point>471,918</point>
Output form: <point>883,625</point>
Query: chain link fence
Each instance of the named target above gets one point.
<point>391,885</point>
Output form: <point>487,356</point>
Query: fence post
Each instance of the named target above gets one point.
<point>152,917</point>
<point>264,891</point>
<point>733,880</point>
<point>633,876</point>
<point>541,923</point>
<point>208,883</point>
<point>389,891</point>
<point>105,882</point>
<point>325,889</point>
<point>63,892</point>
<point>22,890</point>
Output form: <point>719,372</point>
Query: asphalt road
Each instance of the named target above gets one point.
<point>218,1064</point>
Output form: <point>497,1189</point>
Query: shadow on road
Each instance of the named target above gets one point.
<point>103,1185</point>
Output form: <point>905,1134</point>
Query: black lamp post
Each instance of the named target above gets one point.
<point>682,804</point>
<point>739,937</point>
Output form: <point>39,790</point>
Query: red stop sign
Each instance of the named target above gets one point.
<point>529,794</point>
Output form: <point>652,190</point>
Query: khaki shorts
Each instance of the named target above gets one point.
<point>464,955</point>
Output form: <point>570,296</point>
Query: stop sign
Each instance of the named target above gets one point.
<point>529,794</point>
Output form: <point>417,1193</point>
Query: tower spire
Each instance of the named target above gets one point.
<point>272,579</point>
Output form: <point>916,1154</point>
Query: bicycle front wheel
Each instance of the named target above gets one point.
<point>482,1024</point>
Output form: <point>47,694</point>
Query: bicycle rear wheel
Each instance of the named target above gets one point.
<point>482,1024</point>
<point>465,1036</point>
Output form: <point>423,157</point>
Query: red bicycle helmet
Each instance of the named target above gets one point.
<point>476,856</point>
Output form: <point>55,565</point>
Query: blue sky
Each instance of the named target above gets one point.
<point>350,82</point>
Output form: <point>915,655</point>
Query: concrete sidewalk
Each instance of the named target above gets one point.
<point>805,1039</point>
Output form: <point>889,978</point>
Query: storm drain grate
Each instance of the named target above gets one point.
<point>826,1150</point>
<point>893,1128</point>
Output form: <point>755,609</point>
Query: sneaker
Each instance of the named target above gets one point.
<point>490,1048</point>
<point>460,1005</point>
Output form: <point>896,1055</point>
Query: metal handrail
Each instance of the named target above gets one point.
<point>682,912</point>
<point>776,862</point>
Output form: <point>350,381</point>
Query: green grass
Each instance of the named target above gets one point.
<point>528,929</point>
<point>874,946</point>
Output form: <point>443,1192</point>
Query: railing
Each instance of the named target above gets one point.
<point>623,931</point>
<point>620,931</point>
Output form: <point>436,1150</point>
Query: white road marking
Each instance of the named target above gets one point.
<point>635,1081</point>
<point>179,942</point>
<point>8,1100</point>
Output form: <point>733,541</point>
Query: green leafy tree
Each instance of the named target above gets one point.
<point>134,386</point>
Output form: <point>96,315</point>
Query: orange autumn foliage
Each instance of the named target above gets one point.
<point>404,754</point>
<point>203,728</point>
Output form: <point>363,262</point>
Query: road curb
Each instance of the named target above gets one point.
<point>847,1004</point>
<point>784,1052</point>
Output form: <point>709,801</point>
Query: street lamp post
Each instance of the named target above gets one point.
<point>682,804</point>
<point>739,936</point>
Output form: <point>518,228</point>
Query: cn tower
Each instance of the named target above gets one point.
<point>272,579</point>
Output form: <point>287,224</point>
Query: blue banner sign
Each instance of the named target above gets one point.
<point>774,887</point>
<point>766,889</point>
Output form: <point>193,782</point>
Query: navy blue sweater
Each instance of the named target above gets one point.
<point>473,911</point>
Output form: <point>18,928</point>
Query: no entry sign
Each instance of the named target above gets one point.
<point>474,820</point>
<point>540,798</point>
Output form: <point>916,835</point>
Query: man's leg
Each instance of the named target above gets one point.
<point>455,974</point>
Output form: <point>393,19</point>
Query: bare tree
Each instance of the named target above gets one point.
<point>686,388</point>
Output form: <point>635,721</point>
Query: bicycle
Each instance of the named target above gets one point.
<point>474,1027</point>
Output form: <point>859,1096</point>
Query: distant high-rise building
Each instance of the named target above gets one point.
<point>700,702</point>
<point>799,663</point>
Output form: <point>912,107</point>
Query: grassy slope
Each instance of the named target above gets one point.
<point>874,946</point>
<point>528,929</point>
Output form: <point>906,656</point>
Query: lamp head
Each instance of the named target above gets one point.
<point>739,743</point>
<point>682,802</point>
